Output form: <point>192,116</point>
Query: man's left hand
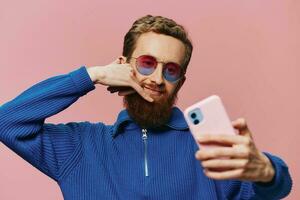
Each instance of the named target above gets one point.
<point>236,156</point>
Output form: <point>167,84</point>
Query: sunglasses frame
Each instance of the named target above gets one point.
<point>164,64</point>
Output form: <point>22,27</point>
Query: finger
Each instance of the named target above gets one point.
<point>229,174</point>
<point>116,61</point>
<point>224,163</point>
<point>138,88</point>
<point>127,92</point>
<point>222,139</point>
<point>122,59</point>
<point>221,152</point>
<point>114,89</point>
<point>241,125</point>
<point>141,91</point>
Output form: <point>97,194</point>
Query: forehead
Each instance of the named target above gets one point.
<point>165,48</point>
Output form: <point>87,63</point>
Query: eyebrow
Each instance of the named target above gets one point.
<point>149,54</point>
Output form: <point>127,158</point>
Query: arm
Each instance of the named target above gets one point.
<point>277,188</point>
<point>22,127</point>
<point>249,173</point>
<point>281,184</point>
<point>49,147</point>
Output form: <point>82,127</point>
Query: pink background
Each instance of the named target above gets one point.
<point>248,52</point>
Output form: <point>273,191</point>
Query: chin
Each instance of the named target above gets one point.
<point>147,114</point>
<point>157,98</point>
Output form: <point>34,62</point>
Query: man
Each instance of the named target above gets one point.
<point>148,153</point>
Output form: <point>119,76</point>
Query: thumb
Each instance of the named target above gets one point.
<point>242,126</point>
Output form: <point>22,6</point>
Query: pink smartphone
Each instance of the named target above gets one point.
<point>208,117</point>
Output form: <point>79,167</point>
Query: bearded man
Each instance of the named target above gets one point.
<point>149,152</point>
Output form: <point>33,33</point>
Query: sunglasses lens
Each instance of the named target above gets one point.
<point>172,72</point>
<point>146,64</point>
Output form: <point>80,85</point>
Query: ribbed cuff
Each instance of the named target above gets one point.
<point>82,80</point>
<point>276,182</point>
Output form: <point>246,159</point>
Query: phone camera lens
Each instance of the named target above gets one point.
<point>193,115</point>
<point>196,122</point>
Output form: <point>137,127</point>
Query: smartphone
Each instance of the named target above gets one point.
<point>208,117</point>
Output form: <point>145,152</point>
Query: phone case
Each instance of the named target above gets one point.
<point>208,117</point>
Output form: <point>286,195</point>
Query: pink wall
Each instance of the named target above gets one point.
<point>248,52</point>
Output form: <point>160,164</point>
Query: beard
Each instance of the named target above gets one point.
<point>146,114</point>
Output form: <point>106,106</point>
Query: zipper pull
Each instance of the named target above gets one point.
<point>144,134</point>
<point>144,137</point>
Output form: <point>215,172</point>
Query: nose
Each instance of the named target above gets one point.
<point>157,76</point>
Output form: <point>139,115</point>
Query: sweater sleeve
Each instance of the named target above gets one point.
<point>278,188</point>
<point>22,122</point>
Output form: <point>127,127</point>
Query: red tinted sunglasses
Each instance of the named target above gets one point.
<point>147,64</point>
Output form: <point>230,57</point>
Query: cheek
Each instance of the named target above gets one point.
<point>140,78</point>
<point>170,88</point>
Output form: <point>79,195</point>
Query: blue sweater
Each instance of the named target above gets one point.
<point>92,161</point>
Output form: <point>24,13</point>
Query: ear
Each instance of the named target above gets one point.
<point>122,59</point>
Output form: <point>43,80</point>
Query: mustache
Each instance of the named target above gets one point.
<point>155,87</point>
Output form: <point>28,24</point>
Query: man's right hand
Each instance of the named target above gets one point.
<point>117,75</point>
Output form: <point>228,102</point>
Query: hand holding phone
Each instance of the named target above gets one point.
<point>239,160</point>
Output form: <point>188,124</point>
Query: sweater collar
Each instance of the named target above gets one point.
<point>176,122</point>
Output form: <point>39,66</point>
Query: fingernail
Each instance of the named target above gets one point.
<point>200,137</point>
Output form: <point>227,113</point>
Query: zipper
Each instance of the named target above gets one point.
<point>144,137</point>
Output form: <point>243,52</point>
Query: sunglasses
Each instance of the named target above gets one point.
<point>147,64</point>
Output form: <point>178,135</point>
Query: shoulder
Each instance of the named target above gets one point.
<point>94,129</point>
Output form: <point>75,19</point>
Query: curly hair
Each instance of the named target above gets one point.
<point>161,25</point>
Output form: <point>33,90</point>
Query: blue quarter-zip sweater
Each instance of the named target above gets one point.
<point>92,161</point>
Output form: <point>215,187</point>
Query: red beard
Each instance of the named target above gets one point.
<point>149,115</point>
